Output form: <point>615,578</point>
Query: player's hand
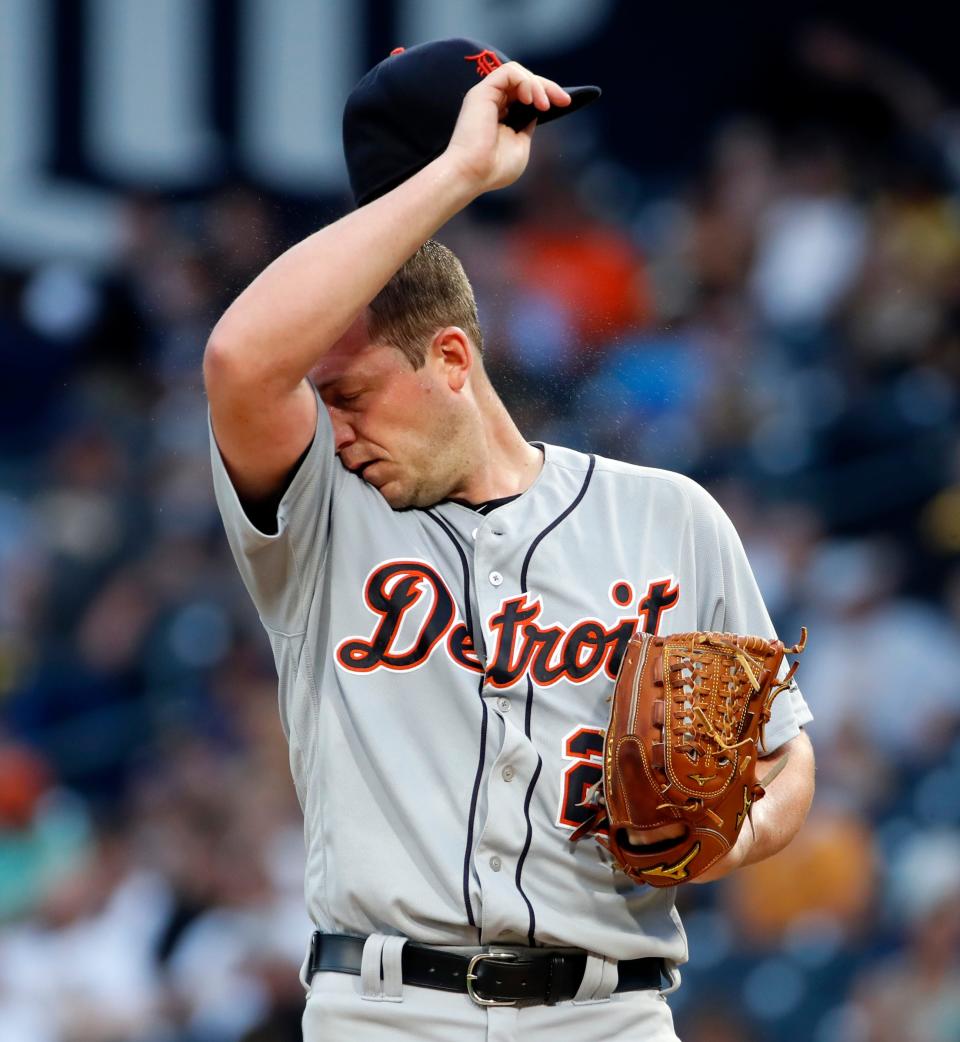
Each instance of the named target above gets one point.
<point>730,861</point>
<point>487,153</point>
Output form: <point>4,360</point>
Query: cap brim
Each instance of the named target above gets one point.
<point>518,116</point>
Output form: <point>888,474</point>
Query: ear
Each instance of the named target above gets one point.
<point>452,350</point>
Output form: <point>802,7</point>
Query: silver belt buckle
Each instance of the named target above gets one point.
<point>471,977</point>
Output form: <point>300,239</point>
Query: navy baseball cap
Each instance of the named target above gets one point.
<point>400,116</point>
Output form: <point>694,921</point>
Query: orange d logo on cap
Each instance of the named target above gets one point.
<point>486,61</point>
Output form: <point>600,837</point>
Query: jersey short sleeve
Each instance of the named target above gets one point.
<point>281,569</point>
<point>732,602</point>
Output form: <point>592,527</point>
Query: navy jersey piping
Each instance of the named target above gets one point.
<point>475,795</point>
<point>531,938</point>
<point>528,711</point>
<point>465,564</point>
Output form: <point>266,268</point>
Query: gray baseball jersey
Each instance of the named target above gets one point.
<point>443,676</point>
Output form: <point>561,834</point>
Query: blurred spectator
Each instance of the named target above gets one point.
<point>826,877</point>
<point>44,831</point>
<point>579,282</point>
<point>716,1021</point>
<point>811,245</point>
<point>915,993</point>
<point>863,662</point>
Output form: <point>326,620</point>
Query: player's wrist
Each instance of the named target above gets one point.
<point>428,199</point>
<point>736,857</point>
<point>456,172</point>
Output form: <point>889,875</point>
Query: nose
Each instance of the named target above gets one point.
<point>343,433</point>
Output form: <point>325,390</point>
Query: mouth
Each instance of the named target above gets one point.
<point>360,468</point>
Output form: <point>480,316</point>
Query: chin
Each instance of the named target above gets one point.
<point>394,498</point>
<point>395,494</point>
<point>401,497</point>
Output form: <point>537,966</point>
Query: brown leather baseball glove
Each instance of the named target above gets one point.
<point>680,752</point>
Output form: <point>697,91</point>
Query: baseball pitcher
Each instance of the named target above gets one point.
<point>448,606</point>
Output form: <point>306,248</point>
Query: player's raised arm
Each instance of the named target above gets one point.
<point>304,302</point>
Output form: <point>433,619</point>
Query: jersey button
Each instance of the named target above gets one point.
<point>507,773</point>
<point>503,704</point>
<point>495,578</point>
<point>495,863</point>
<point>473,534</point>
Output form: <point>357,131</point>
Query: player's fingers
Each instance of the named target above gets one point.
<point>672,830</point>
<point>526,86</point>
<point>556,93</point>
<point>544,93</point>
<point>547,92</point>
<point>520,82</point>
<point>517,82</point>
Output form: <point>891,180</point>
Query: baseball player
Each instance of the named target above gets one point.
<point>447,604</point>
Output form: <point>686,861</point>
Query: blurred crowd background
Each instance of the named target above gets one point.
<point>778,316</point>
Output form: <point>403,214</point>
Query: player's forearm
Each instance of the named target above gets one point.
<point>778,816</point>
<point>282,323</point>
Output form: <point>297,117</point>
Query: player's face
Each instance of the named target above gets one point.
<point>404,431</point>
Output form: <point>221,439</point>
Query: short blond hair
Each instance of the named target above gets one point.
<point>429,292</point>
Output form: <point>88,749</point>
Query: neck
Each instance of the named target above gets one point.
<point>505,464</point>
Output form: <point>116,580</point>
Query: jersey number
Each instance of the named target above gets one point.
<point>585,747</point>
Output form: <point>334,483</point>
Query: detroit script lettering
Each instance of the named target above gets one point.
<point>397,591</point>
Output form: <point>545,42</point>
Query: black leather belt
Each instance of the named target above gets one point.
<point>527,976</point>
